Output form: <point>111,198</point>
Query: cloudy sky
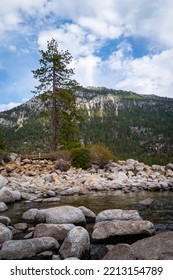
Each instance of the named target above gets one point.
<point>120,44</point>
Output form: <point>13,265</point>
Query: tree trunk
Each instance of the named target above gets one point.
<point>54,117</point>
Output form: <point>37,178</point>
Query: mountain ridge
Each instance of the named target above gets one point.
<point>130,124</point>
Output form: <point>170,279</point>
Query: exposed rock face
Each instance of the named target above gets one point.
<point>5,233</point>
<point>24,249</point>
<point>76,243</point>
<point>118,214</point>
<point>158,247</point>
<point>59,232</point>
<point>118,231</point>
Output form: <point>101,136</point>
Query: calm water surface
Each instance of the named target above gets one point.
<point>160,213</point>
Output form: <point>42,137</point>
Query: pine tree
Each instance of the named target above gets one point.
<point>2,143</point>
<point>57,90</point>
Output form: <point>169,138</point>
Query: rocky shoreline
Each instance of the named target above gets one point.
<point>76,232</point>
<point>44,180</point>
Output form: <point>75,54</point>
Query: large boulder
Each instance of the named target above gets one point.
<point>120,252</point>
<point>6,195</point>
<point>89,215</point>
<point>158,247</point>
<point>122,231</point>
<point>76,243</point>
<point>5,233</point>
<point>62,165</point>
<point>30,214</point>
<point>118,214</point>
<point>5,220</point>
<point>25,249</point>
<point>56,215</point>
<point>59,232</point>
<point>17,195</point>
<point>3,207</point>
<point>61,215</point>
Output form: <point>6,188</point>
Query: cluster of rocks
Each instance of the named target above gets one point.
<point>44,180</point>
<point>64,233</point>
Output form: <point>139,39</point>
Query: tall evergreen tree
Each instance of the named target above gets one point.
<point>57,90</point>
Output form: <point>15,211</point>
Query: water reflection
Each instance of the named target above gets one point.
<point>161,211</point>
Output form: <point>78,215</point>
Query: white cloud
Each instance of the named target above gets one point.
<point>146,75</point>
<point>5,107</point>
<point>100,27</point>
<point>88,25</point>
<point>87,70</point>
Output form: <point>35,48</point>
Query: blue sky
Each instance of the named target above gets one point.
<point>120,44</point>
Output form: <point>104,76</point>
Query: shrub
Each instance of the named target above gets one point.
<point>80,157</point>
<point>63,154</point>
<point>100,154</point>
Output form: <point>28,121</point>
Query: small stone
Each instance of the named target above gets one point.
<point>21,226</point>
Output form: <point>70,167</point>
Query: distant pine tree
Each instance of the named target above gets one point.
<point>2,142</point>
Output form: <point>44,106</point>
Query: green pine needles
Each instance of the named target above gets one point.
<point>57,91</point>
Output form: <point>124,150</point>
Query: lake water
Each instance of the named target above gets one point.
<point>160,213</point>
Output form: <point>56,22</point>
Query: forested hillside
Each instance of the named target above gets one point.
<point>131,125</point>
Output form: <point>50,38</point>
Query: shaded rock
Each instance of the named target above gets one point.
<point>76,243</point>
<point>117,214</point>
<point>146,202</point>
<point>29,235</point>
<point>6,195</point>
<point>30,214</point>
<point>5,233</point>
<point>98,251</point>
<point>2,180</point>
<point>25,249</point>
<point>120,252</point>
<point>169,173</point>
<point>49,178</point>
<point>71,259</point>
<point>62,165</point>
<point>169,166</point>
<point>51,193</point>
<point>122,231</point>
<point>41,216</point>
<point>12,157</point>
<point>89,215</point>
<point>119,177</point>
<point>21,226</point>
<point>5,220</point>
<point>158,247</point>
<point>46,254</point>
<point>59,232</point>
<point>51,199</point>
<point>64,215</point>
<point>3,207</point>
<point>16,195</point>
